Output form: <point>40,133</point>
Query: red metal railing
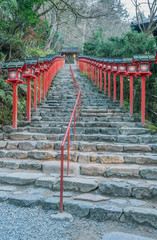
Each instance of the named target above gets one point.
<point>67,134</point>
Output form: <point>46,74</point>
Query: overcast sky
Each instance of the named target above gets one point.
<point>131,8</point>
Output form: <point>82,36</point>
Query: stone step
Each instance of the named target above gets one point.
<point>105,167</point>
<point>78,146</point>
<point>86,205</point>
<point>87,130</point>
<point>139,189</point>
<point>78,124</point>
<point>85,137</point>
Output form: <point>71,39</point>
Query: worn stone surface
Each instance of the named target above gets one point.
<point>51,204</point>
<point>122,171</point>
<point>107,212</point>
<point>26,200</point>
<point>77,184</point>
<point>77,208</point>
<point>92,170</point>
<point>110,159</point>
<point>44,155</point>
<point>149,173</point>
<point>3,144</point>
<point>54,167</point>
<point>62,217</point>
<point>26,146</point>
<point>91,197</point>
<point>141,215</point>
<point>116,189</point>
<point>20,178</point>
<point>45,182</point>
<point>11,145</point>
<point>3,196</point>
<point>123,236</point>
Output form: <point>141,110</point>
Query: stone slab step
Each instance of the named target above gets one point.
<point>141,138</point>
<point>114,209</point>
<point>81,157</point>
<point>80,146</point>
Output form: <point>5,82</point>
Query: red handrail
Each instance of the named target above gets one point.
<point>67,133</point>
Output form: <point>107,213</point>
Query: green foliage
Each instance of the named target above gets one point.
<point>37,52</point>
<point>21,27</point>
<point>130,43</point>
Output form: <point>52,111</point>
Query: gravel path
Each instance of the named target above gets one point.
<point>18,223</point>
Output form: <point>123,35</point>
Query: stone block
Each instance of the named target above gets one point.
<point>77,184</point>
<point>78,208</point>
<point>108,148</point>
<point>122,171</point>
<point>26,200</point>
<point>92,170</point>
<point>41,155</point>
<point>53,167</point>
<point>137,148</point>
<point>91,197</point>
<point>123,236</point>
<point>104,213</point>
<point>20,136</point>
<point>46,182</point>
<point>117,189</point>
<point>141,216</point>
<point>26,146</point>
<point>51,204</point>
<point>16,155</point>
<point>3,144</point>
<point>149,173</point>
<point>84,158</point>
<point>44,145</point>
<point>30,165</point>
<point>2,154</point>
<point>11,145</point>
<point>107,159</point>
<point>62,217</point>
<point>3,196</point>
<point>140,191</point>
<point>20,178</point>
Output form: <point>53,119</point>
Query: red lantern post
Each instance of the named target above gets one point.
<point>108,69</point>
<point>29,74</point>
<point>14,77</point>
<point>121,72</point>
<point>143,62</point>
<point>131,71</point>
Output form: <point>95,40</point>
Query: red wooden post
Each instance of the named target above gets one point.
<point>121,90</point>
<point>14,105</point>
<point>28,99</point>
<point>95,74</point>
<point>100,79</point>
<point>131,95</point>
<point>43,84</point>
<point>114,98</point>
<point>109,83</point>
<point>61,181</point>
<point>39,89</point>
<point>35,93</point>
<point>68,151</point>
<point>143,100</point>
<point>105,82</point>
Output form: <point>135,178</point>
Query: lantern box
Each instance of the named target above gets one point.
<point>14,71</point>
<point>131,67</point>
<point>143,63</point>
<point>121,69</point>
<point>30,71</point>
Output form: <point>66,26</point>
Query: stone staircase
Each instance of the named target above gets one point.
<point>113,161</point>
